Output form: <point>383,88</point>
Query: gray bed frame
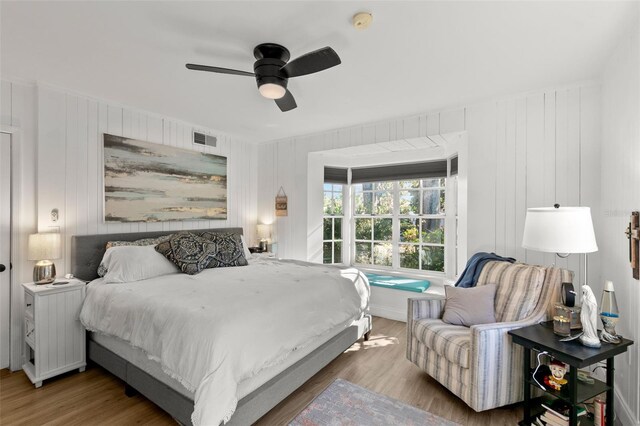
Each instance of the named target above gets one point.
<point>86,254</point>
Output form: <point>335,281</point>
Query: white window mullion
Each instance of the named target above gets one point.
<point>346,225</point>
<point>449,229</point>
<point>395,226</point>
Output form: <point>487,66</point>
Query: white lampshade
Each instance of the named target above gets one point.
<point>560,230</point>
<point>44,246</point>
<point>264,231</point>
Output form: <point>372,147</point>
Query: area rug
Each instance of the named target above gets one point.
<point>343,403</point>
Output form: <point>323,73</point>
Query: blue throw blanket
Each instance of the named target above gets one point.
<point>471,273</point>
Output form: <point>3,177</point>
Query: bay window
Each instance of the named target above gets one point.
<point>394,217</point>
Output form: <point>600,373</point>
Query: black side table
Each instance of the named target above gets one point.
<point>541,338</point>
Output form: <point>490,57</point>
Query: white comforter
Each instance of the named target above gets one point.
<point>215,329</point>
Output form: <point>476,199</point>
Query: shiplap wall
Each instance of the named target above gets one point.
<point>70,167</point>
<point>18,111</point>
<point>621,196</point>
<point>526,151</point>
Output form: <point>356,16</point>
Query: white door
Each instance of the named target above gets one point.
<point>5,247</point>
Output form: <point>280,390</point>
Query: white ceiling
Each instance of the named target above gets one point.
<point>417,56</point>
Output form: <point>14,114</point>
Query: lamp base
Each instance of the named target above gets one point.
<point>44,272</point>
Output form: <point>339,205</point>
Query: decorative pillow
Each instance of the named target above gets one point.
<point>193,253</point>
<point>230,250</point>
<point>245,248</point>
<point>470,306</point>
<point>142,242</point>
<point>102,269</point>
<point>210,236</point>
<point>135,263</point>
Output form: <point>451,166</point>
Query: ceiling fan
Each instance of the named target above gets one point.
<point>273,70</point>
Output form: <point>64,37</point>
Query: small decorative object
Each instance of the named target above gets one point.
<point>281,203</point>
<point>561,325</point>
<point>264,233</point>
<point>584,377</point>
<point>43,248</point>
<point>609,314</point>
<point>633,234</point>
<point>150,182</point>
<point>588,316</point>
<point>574,314</point>
<point>556,380</point>
<point>570,313</point>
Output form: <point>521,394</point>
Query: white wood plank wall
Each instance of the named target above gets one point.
<point>18,111</point>
<point>526,151</point>
<point>70,174</point>
<point>620,164</point>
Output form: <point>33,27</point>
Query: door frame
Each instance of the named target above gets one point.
<point>18,240</point>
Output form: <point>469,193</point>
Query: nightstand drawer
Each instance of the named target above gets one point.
<point>28,301</point>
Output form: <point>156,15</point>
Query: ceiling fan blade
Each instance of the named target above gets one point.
<point>315,61</point>
<point>218,70</point>
<point>287,102</point>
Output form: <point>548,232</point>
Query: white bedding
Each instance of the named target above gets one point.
<point>213,330</point>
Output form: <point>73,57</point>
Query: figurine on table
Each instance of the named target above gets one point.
<point>556,380</point>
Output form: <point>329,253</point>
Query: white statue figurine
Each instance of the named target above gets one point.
<point>589,318</point>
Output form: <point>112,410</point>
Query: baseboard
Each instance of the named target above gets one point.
<point>624,416</point>
<point>392,304</point>
<point>387,312</point>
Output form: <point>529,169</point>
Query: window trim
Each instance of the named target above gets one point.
<point>343,240</point>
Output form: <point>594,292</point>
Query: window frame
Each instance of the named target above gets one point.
<point>396,218</point>
<point>333,218</point>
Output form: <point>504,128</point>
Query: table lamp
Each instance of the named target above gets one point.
<point>264,233</point>
<point>43,248</point>
<point>564,231</point>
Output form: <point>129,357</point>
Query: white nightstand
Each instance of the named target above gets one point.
<point>54,336</point>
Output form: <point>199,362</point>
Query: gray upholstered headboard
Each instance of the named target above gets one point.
<point>87,250</point>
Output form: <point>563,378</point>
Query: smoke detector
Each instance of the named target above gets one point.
<point>362,20</point>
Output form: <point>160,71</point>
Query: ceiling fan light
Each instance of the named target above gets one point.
<point>272,91</point>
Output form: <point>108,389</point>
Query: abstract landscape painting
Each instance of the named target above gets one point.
<point>148,182</point>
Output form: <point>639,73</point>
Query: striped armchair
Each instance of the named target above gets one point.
<point>480,364</point>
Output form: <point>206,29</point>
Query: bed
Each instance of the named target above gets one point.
<point>320,335</point>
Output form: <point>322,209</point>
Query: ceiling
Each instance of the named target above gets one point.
<point>416,57</point>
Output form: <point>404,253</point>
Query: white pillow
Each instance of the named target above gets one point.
<point>247,253</point>
<point>134,263</point>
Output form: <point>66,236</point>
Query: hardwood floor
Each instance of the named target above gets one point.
<point>95,397</point>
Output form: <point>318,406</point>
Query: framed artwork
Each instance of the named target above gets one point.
<point>149,182</point>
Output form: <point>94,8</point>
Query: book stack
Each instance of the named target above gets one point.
<point>557,413</point>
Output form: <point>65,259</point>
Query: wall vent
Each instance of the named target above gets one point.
<point>202,139</point>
